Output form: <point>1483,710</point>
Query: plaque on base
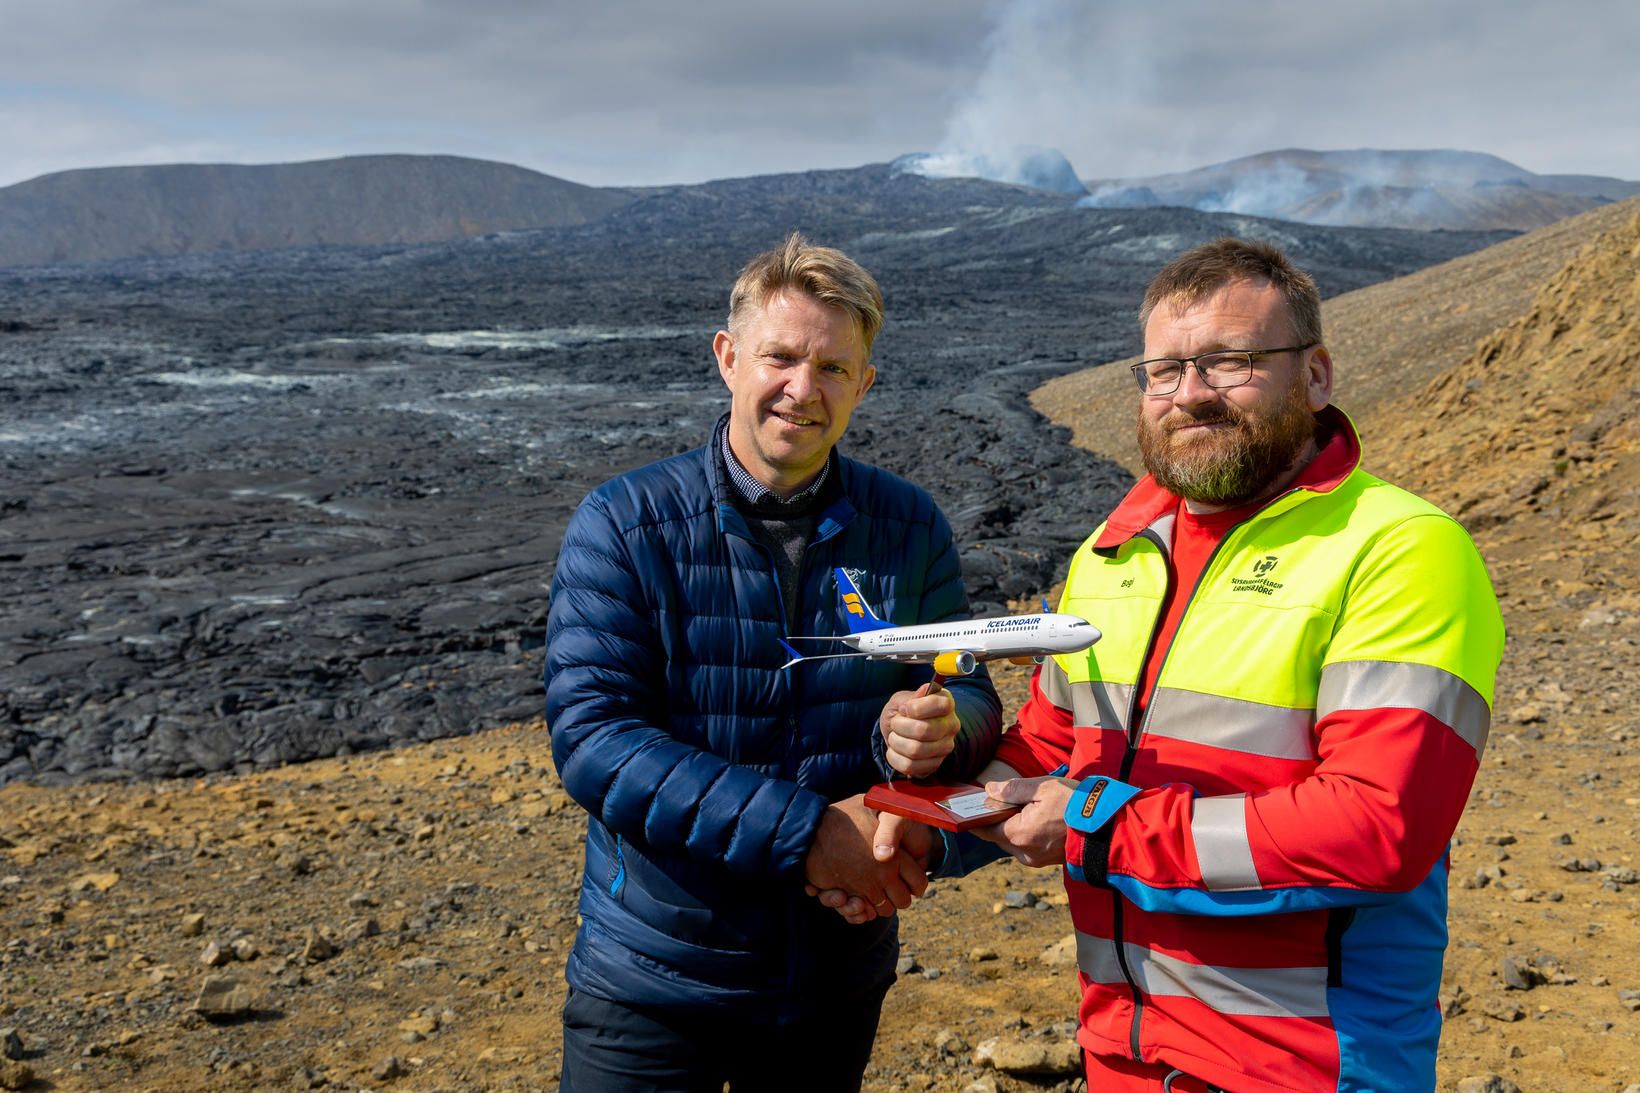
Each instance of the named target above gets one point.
<point>953,807</point>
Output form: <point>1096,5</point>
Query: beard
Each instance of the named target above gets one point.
<point>1233,465</point>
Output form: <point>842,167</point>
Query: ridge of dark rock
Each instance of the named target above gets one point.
<point>153,211</point>
<point>267,507</point>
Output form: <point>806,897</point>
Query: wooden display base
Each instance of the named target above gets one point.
<point>952,807</point>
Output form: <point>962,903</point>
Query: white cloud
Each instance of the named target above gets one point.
<point>1126,89</point>
<point>646,92</point>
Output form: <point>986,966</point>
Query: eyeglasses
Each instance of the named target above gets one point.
<point>1220,368</point>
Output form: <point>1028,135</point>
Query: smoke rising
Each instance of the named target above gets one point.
<point>1126,90</point>
<point>1008,125</point>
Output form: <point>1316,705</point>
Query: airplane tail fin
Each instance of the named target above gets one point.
<point>861,618</point>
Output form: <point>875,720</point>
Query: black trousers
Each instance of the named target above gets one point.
<point>614,1048</point>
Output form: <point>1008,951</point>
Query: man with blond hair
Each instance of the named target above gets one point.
<point>720,787</point>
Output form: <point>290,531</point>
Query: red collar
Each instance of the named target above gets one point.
<point>1147,501</point>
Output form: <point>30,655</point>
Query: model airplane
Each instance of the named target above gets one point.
<point>953,648</point>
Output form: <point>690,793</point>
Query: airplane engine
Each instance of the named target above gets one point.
<point>1026,660</point>
<point>955,664</point>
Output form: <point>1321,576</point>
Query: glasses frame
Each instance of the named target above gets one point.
<point>1187,363</point>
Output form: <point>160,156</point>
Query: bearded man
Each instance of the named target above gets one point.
<point>1271,747</point>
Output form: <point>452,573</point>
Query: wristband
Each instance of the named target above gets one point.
<point>1095,801</point>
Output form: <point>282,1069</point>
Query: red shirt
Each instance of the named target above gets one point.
<point>1195,536</point>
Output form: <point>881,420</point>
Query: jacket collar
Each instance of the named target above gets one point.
<point>1147,504</point>
<point>835,510</point>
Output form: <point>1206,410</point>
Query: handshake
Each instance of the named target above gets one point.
<point>866,865</point>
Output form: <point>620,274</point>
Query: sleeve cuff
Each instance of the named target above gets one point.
<point>944,853</point>
<point>1095,801</point>
<point>879,754</point>
<point>1087,821</point>
<point>964,853</point>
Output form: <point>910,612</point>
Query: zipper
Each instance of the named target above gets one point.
<point>793,962</point>
<point>1129,754</point>
<point>620,867</point>
<point>1133,726</point>
<point>788,759</point>
<point>787,725</point>
<point>1136,725</point>
<point>1127,974</point>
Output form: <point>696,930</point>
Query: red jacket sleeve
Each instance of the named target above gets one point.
<point>1039,742</point>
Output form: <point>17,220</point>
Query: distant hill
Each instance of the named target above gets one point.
<point>119,212</point>
<point>186,209</point>
<point>1387,339</point>
<point>1369,188</point>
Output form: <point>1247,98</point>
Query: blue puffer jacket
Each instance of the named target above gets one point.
<point>705,768</point>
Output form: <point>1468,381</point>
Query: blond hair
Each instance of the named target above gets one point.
<point>828,275</point>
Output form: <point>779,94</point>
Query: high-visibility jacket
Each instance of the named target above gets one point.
<point>1257,869</point>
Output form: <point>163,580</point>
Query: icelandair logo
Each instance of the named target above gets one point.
<point>1260,581</point>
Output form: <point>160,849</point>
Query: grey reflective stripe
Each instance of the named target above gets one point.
<point>1102,704</point>
<point>1234,724</point>
<point>1055,687</point>
<point>1096,956</point>
<point>1162,529</point>
<point>1219,827</point>
<point>1384,684</point>
<point>1243,992</point>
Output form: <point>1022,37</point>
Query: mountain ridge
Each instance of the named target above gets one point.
<point>109,213</point>
<point>1424,189</point>
<point>103,213</point>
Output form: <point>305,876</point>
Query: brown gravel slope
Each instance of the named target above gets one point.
<point>1531,441</point>
<point>399,920</point>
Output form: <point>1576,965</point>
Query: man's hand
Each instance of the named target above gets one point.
<point>844,858</point>
<point>1036,834</point>
<point>919,729</point>
<point>896,840</point>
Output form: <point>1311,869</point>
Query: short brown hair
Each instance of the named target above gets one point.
<point>1201,271</point>
<point>828,275</point>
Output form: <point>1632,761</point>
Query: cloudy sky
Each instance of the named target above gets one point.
<point>655,91</point>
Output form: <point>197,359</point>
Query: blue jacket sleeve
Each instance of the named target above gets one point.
<point>606,697</point>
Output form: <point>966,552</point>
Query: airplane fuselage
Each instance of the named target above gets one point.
<point>986,639</point>
<point>953,648</point>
